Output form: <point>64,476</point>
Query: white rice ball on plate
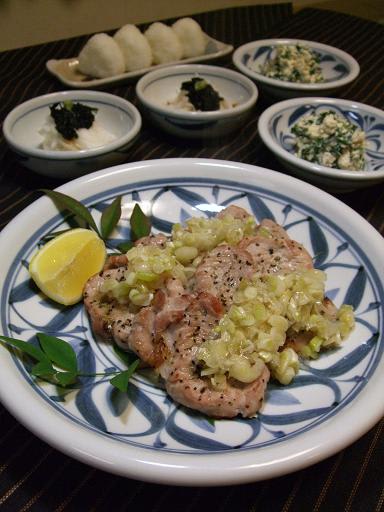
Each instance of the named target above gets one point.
<point>165,44</point>
<point>135,48</point>
<point>101,57</point>
<point>192,37</point>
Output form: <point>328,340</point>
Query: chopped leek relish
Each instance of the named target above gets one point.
<point>150,266</point>
<point>329,139</point>
<point>294,63</point>
<point>267,311</point>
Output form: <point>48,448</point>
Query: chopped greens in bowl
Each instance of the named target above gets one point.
<point>294,63</point>
<point>338,144</point>
<point>330,139</point>
<point>288,68</point>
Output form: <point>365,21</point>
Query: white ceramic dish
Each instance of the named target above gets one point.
<point>275,125</point>
<point>332,402</point>
<point>158,88</point>
<point>338,68</point>
<point>117,115</point>
<point>66,70</point>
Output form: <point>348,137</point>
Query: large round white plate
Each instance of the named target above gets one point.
<point>143,434</point>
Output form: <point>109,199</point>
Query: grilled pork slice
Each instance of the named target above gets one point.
<point>181,374</point>
<point>272,250</point>
<point>167,333</point>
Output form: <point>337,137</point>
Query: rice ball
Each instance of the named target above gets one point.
<point>165,43</point>
<point>134,46</point>
<point>193,39</point>
<point>101,57</point>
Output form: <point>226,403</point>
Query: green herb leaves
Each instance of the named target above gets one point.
<point>139,222</point>
<point>110,217</point>
<point>74,206</point>
<point>57,362</point>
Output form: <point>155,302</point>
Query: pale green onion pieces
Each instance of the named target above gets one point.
<point>266,312</point>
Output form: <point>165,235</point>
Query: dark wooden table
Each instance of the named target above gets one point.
<point>34,476</point>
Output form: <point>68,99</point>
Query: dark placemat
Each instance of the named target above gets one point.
<point>34,476</point>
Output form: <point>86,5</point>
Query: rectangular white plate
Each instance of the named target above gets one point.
<point>66,70</point>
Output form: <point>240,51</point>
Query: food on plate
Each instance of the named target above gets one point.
<point>330,139</point>
<point>164,42</point>
<point>72,126</point>
<point>135,48</point>
<point>101,57</point>
<point>64,264</point>
<point>130,50</point>
<point>217,309</point>
<point>198,95</point>
<point>193,39</point>
<point>294,63</point>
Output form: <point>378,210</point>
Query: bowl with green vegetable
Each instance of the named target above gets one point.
<point>70,133</point>
<point>337,144</point>
<point>288,68</point>
<point>196,101</point>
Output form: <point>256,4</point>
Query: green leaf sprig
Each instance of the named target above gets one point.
<point>140,224</point>
<point>56,362</point>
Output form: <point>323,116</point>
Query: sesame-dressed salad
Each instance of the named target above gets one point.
<point>329,139</point>
<point>294,63</point>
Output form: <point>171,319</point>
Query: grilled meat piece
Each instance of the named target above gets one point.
<point>167,333</point>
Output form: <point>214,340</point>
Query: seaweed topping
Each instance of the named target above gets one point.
<point>201,94</point>
<point>69,117</point>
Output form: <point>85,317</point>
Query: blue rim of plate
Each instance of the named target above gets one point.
<point>261,209</point>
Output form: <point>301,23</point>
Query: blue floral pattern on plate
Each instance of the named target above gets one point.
<point>145,417</point>
<point>282,122</point>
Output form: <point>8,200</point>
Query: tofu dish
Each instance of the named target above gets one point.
<point>219,308</point>
<point>329,139</point>
<point>294,63</point>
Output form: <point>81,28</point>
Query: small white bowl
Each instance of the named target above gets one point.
<point>275,126</point>
<point>338,68</point>
<point>117,115</point>
<point>156,89</point>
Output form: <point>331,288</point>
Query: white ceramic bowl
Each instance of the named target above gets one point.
<point>338,68</point>
<point>156,89</point>
<point>275,125</point>
<point>117,115</point>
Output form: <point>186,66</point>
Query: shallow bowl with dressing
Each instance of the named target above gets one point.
<point>337,66</point>
<point>157,90</point>
<point>275,129</point>
<point>22,126</point>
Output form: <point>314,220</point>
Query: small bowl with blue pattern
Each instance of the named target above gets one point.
<point>276,129</point>
<point>166,104</point>
<point>282,76</point>
<point>31,133</point>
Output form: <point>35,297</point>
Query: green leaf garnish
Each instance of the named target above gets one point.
<point>74,206</point>
<point>66,378</point>
<point>27,348</point>
<point>126,357</point>
<point>58,351</point>
<point>125,246</point>
<point>110,217</point>
<point>140,223</point>
<point>61,353</point>
<point>121,380</point>
<point>43,369</point>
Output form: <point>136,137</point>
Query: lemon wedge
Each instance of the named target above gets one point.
<point>63,265</point>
